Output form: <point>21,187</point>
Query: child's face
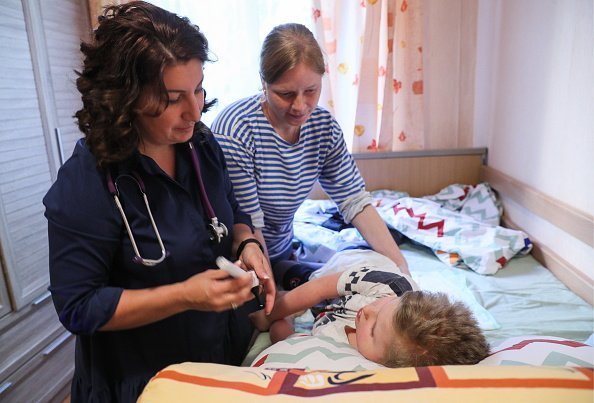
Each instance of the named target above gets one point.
<point>375,331</point>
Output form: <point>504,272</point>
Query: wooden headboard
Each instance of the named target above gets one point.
<point>418,173</point>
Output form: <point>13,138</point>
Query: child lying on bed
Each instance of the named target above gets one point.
<point>379,311</point>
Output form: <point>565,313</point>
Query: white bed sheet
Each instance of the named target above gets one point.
<point>524,297</point>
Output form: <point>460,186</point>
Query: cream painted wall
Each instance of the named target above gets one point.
<point>541,127</point>
<point>534,107</point>
<point>517,76</point>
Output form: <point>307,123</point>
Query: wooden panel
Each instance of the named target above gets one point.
<point>25,334</point>
<point>36,92</point>
<point>575,222</point>
<point>416,173</point>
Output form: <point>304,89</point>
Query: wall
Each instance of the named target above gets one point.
<point>517,77</point>
<point>539,126</point>
<point>532,100</point>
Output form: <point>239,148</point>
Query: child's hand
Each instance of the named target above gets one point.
<point>260,320</point>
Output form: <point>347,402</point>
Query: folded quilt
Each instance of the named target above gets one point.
<point>456,238</point>
<point>459,224</point>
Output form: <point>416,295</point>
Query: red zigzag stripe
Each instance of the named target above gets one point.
<point>421,225</point>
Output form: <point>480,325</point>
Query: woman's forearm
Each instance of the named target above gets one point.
<point>141,307</point>
<point>376,233</point>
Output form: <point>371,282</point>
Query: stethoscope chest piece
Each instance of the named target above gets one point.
<point>217,230</point>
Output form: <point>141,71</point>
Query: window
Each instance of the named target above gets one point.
<point>235,30</point>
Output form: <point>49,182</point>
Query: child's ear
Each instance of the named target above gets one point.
<point>351,334</point>
<point>349,330</point>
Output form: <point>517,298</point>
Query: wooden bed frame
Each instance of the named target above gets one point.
<point>426,172</point>
<point>419,173</point>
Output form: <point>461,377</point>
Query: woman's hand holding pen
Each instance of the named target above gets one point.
<point>253,258</point>
<point>215,290</point>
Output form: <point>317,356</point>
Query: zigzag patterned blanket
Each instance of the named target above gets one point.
<point>460,224</point>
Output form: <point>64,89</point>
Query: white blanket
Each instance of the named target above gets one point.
<point>458,224</point>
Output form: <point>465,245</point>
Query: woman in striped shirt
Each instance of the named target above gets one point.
<point>278,143</point>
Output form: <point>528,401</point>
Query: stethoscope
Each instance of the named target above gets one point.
<point>217,230</point>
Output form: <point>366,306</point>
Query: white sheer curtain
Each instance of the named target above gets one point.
<point>374,85</point>
<point>235,30</point>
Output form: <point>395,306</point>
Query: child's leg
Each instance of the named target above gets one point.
<point>281,329</point>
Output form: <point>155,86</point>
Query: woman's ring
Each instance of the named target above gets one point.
<point>233,305</point>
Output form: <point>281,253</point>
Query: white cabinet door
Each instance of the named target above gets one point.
<point>39,49</point>
<point>64,56</point>
<point>24,163</point>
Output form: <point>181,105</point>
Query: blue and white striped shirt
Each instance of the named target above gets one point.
<point>272,177</point>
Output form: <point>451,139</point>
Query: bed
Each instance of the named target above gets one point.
<point>540,331</point>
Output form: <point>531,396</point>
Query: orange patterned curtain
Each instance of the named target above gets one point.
<point>96,8</point>
<point>374,80</point>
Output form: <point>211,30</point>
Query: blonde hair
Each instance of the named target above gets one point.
<point>285,47</point>
<point>431,330</point>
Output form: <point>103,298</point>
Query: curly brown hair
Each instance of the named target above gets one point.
<point>431,330</point>
<point>127,54</point>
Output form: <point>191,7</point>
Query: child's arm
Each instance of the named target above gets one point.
<point>281,329</point>
<point>305,296</point>
<point>298,299</point>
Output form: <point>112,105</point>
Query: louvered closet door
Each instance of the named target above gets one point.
<point>24,165</point>
<point>39,46</point>
<point>64,56</point>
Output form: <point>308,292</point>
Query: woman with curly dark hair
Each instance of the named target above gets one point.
<point>142,209</point>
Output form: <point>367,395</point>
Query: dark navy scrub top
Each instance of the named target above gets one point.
<point>91,263</point>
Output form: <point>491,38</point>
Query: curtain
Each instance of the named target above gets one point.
<point>374,80</point>
<point>235,30</point>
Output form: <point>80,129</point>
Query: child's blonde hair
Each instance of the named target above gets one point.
<point>431,330</point>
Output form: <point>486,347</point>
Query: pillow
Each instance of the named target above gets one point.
<point>313,353</point>
<point>201,382</point>
<point>541,350</point>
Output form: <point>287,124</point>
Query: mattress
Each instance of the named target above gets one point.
<point>524,299</point>
<point>453,243</point>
